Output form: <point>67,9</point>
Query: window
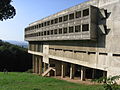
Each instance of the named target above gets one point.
<point>71,29</point>
<point>45,23</point>
<point>44,32</point>
<point>65,18</point>
<point>39,25</point>
<point>41,33</point>
<point>71,16</point>
<point>51,32</point>
<point>85,27</point>
<point>52,22</point>
<point>56,20</point>
<point>60,19</point>
<point>48,32</point>
<point>116,55</point>
<point>65,30</point>
<point>35,27</point>
<point>48,22</point>
<point>55,31</point>
<point>86,12</point>
<point>78,14</point>
<point>60,30</point>
<point>103,54</point>
<point>77,28</point>
<point>42,24</point>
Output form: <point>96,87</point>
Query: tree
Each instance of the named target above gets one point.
<point>7,11</point>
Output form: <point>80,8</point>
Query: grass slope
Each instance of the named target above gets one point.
<point>25,81</point>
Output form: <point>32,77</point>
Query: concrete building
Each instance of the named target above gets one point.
<point>82,41</point>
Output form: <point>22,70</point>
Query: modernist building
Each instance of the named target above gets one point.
<point>82,41</point>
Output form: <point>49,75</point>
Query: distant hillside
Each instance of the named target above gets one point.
<point>19,43</point>
<point>14,58</point>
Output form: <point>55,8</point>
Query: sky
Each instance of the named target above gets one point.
<point>28,11</point>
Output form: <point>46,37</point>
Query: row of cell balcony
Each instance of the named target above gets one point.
<point>60,31</point>
<point>64,18</point>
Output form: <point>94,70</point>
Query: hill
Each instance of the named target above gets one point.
<point>23,44</point>
<point>14,58</point>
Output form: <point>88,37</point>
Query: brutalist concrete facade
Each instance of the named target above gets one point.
<point>81,41</point>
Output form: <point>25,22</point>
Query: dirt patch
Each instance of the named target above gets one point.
<point>77,80</point>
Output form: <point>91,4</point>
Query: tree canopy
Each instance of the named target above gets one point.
<point>14,58</point>
<point>7,11</point>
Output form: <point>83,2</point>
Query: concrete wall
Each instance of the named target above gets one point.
<point>103,53</point>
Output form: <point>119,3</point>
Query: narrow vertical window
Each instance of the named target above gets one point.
<point>71,29</point>
<point>85,12</point>
<point>85,27</point>
<point>78,14</point>
<point>77,28</point>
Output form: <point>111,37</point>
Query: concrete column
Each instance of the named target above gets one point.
<point>82,73</point>
<point>33,63</point>
<point>36,65</point>
<point>93,73</point>
<point>40,65</point>
<point>63,70</point>
<point>45,67</point>
<point>72,71</point>
<point>104,74</point>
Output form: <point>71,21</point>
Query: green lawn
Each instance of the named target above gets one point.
<point>25,81</point>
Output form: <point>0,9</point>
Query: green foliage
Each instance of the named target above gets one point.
<point>29,71</point>
<point>7,11</point>
<point>14,58</point>
<point>109,83</point>
<point>27,81</point>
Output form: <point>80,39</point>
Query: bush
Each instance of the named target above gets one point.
<point>109,83</point>
<point>29,71</point>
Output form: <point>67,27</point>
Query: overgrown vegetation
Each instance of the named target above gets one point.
<point>109,83</point>
<point>7,11</point>
<point>26,81</point>
<point>14,58</point>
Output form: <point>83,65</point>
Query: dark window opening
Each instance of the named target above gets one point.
<point>56,20</point>
<point>44,32</point>
<point>71,16</point>
<point>48,22</point>
<point>60,19</point>
<point>60,31</point>
<point>71,29</point>
<point>85,27</point>
<point>77,28</point>
<point>42,24</point>
<point>80,51</point>
<point>65,18</point>
<point>52,22</point>
<point>41,33</point>
<point>78,14</point>
<point>45,23</point>
<point>116,55</point>
<point>55,31</point>
<point>35,27</point>
<point>65,30</point>
<point>51,32</point>
<point>39,25</point>
<point>91,52</point>
<point>86,12</point>
<point>103,54</point>
<point>48,32</point>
